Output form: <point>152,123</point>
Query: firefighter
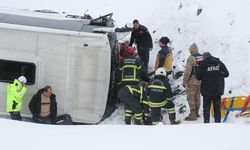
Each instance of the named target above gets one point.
<point>131,67</point>
<point>135,102</point>
<point>160,96</point>
<point>15,93</point>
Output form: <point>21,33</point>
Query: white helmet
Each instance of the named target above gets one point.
<point>22,79</point>
<point>161,72</point>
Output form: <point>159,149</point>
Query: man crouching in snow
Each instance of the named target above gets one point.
<point>43,107</point>
<point>135,102</point>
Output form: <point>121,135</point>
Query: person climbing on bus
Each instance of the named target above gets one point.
<point>132,70</point>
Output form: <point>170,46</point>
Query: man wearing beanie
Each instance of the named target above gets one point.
<point>192,84</point>
<point>141,36</point>
<point>164,58</point>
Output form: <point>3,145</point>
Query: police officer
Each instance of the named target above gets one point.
<point>135,102</point>
<point>211,72</point>
<point>15,93</point>
<point>141,36</point>
<point>160,95</point>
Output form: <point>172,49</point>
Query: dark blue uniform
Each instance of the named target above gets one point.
<point>212,72</point>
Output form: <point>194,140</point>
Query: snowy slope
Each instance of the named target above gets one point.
<point>221,28</point>
<point>29,136</point>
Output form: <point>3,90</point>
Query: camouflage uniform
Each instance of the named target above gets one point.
<point>193,85</point>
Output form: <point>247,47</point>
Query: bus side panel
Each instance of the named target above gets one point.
<point>89,73</point>
<point>18,46</point>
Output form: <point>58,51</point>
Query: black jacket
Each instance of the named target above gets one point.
<point>35,106</point>
<point>142,37</point>
<point>212,72</point>
<point>159,90</point>
<point>135,98</point>
<point>132,70</point>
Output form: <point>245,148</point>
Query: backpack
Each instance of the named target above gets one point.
<point>199,58</point>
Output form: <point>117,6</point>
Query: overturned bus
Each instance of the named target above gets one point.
<point>76,55</point>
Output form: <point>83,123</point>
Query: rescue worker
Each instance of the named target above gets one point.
<point>211,72</point>
<point>131,68</point>
<point>164,58</point>
<point>141,36</point>
<point>43,107</point>
<point>160,96</point>
<point>15,94</point>
<point>192,84</point>
<point>135,102</point>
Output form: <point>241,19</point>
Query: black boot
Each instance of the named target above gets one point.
<point>172,119</point>
<point>128,120</point>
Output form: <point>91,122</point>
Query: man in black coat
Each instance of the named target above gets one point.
<point>141,36</point>
<point>211,72</point>
<point>43,107</point>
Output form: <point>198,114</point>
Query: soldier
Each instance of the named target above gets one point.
<point>192,84</point>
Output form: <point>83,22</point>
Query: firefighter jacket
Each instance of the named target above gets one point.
<point>131,70</point>
<point>159,91</point>
<point>139,93</point>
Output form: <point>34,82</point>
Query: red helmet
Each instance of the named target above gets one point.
<point>131,51</point>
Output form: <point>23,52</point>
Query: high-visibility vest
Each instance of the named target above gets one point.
<point>168,63</point>
<point>15,93</point>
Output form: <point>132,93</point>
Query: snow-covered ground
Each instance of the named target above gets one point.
<point>221,28</point>
<point>29,136</point>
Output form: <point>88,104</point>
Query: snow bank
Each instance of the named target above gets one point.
<point>29,136</point>
<point>221,28</point>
